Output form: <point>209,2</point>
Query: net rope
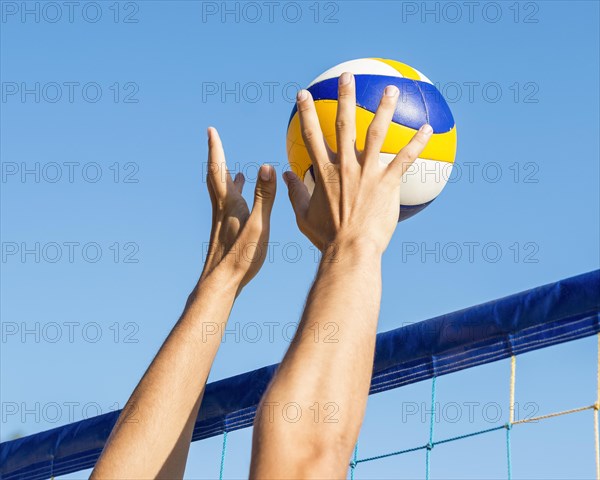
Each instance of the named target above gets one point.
<point>223,452</point>
<point>508,427</point>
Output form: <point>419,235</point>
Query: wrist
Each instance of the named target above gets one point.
<point>222,277</point>
<point>352,250</point>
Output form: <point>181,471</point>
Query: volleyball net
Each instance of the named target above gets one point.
<point>548,315</point>
<point>507,427</point>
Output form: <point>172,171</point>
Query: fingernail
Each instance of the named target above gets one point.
<point>285,177</point>
<point>426,129</point>
<point>301,95</point>
<point>345,78</point>
<point>209,131</point>
<point>391,91</point>
<point>265,172</point>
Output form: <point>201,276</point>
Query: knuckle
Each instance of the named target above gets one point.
<point>422,139</point>
<point>346,170</point>
<point>405,159</point>
<point>264,194</point>
<point>408,154</point>
<point>308,133</point>
<point>341,123</point>
<point>376,132</point>
<point>292,189</point>
<point>304,105</point>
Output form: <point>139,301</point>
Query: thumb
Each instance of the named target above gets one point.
<point>298,193</point>
<point>264,193</point>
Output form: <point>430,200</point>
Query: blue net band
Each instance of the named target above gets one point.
<point>534,319</point>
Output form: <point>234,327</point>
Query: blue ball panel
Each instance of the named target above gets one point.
<point>407,211</point>
<point>419,103</point>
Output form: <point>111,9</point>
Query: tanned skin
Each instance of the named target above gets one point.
<point>350,217</point>
<point>152,436</point>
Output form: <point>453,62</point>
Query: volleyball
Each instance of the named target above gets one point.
<point>419,102</point>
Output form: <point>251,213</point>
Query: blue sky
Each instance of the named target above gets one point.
<point>120,95</point>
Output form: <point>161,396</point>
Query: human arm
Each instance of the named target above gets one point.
<point>152,435</point>
<point>350,217</point>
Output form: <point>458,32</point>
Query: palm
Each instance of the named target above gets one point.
<point>235,215</point>
<point>230,214</point>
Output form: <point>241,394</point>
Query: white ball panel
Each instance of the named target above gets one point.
<point>421,183</point>
<point>361,66</point>
<point>309,181</point>
<point>423,77</point>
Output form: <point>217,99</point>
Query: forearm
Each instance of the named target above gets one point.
<point>343,306</point>
<point>327,369</point>
<point>150,437</point>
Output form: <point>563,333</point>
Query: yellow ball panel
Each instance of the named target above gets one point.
<point>441,146</point>
<point>298,159</point>
<point>405,70</point>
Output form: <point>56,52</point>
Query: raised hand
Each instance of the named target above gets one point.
<point>168,396</point>
<point>239,238</point>
<point>356,197</point>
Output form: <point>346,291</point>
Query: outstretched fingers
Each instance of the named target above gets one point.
<point>298,194</point>
<point>405,158</point>
<point>238,182</point>
<point>311,131</point>
<point>218,175</point>
<point>381,123</point>
<point>345,121</point>
<point>264,196</point>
